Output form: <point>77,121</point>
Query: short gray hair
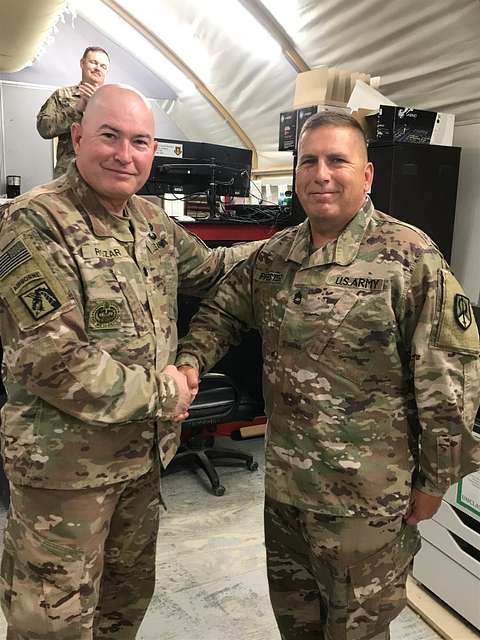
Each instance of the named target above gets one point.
<point>333,119</point>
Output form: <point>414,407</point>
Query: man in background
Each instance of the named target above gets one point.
<point>66,106</point>
<point>371,377</point>
<point>89,275</point>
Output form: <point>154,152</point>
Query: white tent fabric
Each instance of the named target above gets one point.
<point>427,53</point>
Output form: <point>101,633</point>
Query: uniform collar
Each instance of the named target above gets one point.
<point>341,251</point>
<point>103,223</point>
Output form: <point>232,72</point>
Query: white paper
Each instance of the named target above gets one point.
<point>366,97</point>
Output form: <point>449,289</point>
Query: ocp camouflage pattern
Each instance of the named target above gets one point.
<point>88,309</point>
<point>370,375</point>
<point>54,119</point>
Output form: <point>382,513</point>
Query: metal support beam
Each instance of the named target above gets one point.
<point>187,71</point>
<point>275,29</point>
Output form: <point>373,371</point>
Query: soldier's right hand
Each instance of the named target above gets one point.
<point>185,395</point>
<point>86,91</point>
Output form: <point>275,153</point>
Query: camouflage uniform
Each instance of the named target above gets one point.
<point>88,323</point>
<point>370,382</point>
<point>54,120</point>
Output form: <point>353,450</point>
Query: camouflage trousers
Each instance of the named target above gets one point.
<point>336,578</point>
<point>80,564</point>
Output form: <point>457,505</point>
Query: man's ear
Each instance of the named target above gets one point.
<point>76,134</point>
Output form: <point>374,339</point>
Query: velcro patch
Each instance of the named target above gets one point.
<point>40,300</point>
<point>105,314</point>
<point>462,310</point>
<point>13,257</point>
<point>356,282</point>
<point>105,249</point>
<point>25,279</point>
<point>456,329</point>
<point>269,276</point>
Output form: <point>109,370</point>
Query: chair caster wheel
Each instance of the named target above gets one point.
<point>218,491</point>
<point>252,466</point>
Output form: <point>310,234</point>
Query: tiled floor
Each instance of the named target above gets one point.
<point>211,582</point>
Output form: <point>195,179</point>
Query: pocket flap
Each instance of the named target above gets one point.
<point>372,574</point>
<point>43,557</point>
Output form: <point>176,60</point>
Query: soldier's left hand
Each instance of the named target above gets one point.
<point>422,506</point>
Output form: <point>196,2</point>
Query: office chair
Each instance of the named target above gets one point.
<point>218,401</point>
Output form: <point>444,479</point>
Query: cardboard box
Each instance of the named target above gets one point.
<point>326,86</point>
<point>311,87</point>
<point>404,124</point>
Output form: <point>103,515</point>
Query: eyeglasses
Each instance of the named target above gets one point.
<point>96,63</point>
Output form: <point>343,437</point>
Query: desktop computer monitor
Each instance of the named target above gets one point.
<point>187,168</point>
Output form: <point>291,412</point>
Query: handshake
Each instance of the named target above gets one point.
<point>186,379</point>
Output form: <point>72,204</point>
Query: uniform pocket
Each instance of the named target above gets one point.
<point>41,584</point>
<point>376,572</point>
<point>441,457</point>
<point>324,320</point>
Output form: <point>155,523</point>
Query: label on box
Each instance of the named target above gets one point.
<point>169,149</point>
<point>302,115</point>
<point>468,493</point>
<point>288,131</point>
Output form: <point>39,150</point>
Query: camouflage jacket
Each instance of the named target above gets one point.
<point>88,323</point>
<point>370,364</point>
<point>54,120</point>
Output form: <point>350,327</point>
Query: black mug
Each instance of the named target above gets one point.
<point>13,186</point>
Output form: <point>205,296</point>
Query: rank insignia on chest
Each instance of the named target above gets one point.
<point>105,314</point>
<point>462,311</point>
<point>40,300</point>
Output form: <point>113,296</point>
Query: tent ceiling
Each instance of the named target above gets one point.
<point>23,27</point>
<point>427,54</point>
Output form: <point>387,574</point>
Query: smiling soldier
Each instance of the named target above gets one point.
<point>66,106</point>
<point>89,275</point>
<point>371,387</point>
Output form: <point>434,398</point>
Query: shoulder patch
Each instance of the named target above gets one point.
<point>456,329</point>
<point>12,257</point>
<point>28,286</point>
<point>40,300</point>
<point>462,310</point>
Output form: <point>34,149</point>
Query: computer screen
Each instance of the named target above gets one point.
<point>185,167</point>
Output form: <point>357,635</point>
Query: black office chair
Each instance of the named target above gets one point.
<point>218,400</point>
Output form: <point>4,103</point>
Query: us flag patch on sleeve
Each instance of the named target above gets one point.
<point>13,257</point>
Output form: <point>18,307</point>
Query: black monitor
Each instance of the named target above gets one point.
<point>187,168</point>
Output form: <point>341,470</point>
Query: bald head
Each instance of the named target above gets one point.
<point>110,94</point>
<point>114,143</point>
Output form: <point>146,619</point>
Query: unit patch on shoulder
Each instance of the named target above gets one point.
<point>13,257</point>
<point>105,314</point>
<point>462,311</point>
<point>455,328</point>
<point>40,300</point>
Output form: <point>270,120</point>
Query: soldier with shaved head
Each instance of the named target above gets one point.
<point>89,275</point>
<point>371,360</point>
